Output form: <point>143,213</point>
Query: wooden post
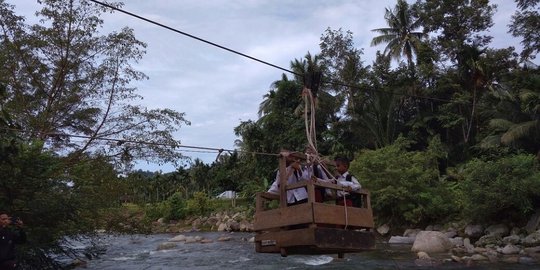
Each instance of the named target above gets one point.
<point>282,180</point>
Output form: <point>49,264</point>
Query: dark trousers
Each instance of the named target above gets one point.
<point>340,201</point>
<point>319,194</point>
<point>8,265</point>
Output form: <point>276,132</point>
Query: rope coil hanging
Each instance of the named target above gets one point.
<point>312,155</point>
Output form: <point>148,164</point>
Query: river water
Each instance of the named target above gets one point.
<point>140,252</point>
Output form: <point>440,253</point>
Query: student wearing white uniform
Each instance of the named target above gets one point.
<point>295,174</point>
<point>346,180</point>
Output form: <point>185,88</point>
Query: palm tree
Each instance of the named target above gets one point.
<point>520,128</point>
<point>400,36</point>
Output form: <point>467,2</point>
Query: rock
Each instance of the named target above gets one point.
<point>234,226</point>
<point>533,223</point>
<point>425,260</point>
<point>489,240</point>
<point>479,250</point>
<point>252,239</point>
<point>533,252</point>
<point>423,255</point>
<point>196,223</point>
<point>190,239</point>
<point>458,251</point>
<point>512,239</point>
<point>450,234</point>
<point>401,240</point>
<point>222,227</point>
<point>510,259</point>
<point>178,238</point>
<point>206,241</point>
<point>411,232</point>
<point>457,241</point>
<point>456,259</point>
<point>498,230</point>
<point>474,231</point>
<point>532,239</point>
<point>492,257</point>
<point>510,249</point>
<point>161,221</point>
<point>468,246</point>
<point>478,257</point>
<point>431,242</point>
<point>384,229</point>
<point>224,238</point>
<point>527,260</point>
<point>166,245</point>
<point>211,221</point>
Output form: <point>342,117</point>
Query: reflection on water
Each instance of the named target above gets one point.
<point>140,252</point>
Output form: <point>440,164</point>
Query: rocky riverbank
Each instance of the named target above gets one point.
<point>472,243</point>
<point>228,221</point>
<point>434,245</point>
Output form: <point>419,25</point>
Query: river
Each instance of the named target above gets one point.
<point>140,252</point>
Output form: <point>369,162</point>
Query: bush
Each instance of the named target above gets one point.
<point>507,188</point>
<point>177,207</point>
<point>405,186</point>
<point>155,211</point>
<point>200,204</point>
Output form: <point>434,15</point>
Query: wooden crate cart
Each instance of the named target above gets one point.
<point>312,227</point>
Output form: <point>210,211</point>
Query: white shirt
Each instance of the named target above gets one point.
<point>293,195</point>
<point>342,181</point>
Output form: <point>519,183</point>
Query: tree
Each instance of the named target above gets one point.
<point>400,35</point>
<point>455,24</point>
<point>525,24</point>
<point>515,121</point>
<point>344,64</point>
<point>65,80</point>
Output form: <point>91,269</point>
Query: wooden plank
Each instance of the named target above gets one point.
<point>299,237</point>
<point>281,217</point>
<point>326,239</point>
<point>335,214</point>
<point>315,241</point>
<point>261,198</point>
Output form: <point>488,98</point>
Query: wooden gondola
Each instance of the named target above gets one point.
<point>312,227</point>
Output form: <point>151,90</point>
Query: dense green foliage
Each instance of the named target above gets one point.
<point>507,188</point>
<point>405,185</point>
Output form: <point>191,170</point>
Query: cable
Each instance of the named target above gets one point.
<point>194,37</point>
<point>259,60</point>
<point>122,141</point>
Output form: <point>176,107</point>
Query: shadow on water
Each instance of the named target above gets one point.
<point>140,252</point>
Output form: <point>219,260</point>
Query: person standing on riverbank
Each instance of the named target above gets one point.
<point>9,237</point>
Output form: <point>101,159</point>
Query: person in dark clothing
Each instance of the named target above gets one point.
<point>9,236</point>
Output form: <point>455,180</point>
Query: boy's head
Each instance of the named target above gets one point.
<point>342,164</point>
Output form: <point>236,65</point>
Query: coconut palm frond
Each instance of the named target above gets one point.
<point>500,124</point>
<point>490,142</point>
<point>519,131</point>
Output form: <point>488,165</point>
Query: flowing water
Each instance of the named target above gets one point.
<point>140,252</point>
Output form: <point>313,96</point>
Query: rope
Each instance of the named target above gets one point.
<point>311,133</point>
<point>346,212</point>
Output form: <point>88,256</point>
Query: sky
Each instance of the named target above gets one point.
<point>217,89</point>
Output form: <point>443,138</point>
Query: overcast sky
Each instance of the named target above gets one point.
<point>217,89</point>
